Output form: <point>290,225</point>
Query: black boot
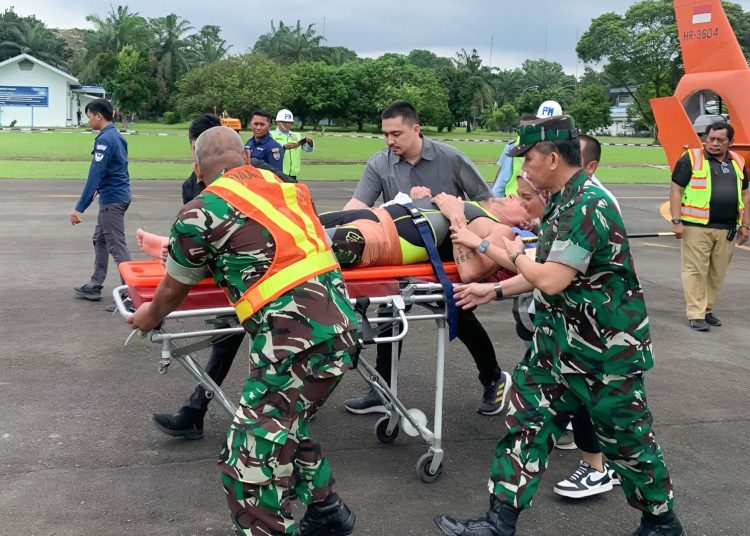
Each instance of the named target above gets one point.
<point>187,423</point>
<point>328,518</point>
<point>500,520</point>
<point>663,525</point>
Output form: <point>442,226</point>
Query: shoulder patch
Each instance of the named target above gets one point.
<point>101,147</point>
<point>98,157</point>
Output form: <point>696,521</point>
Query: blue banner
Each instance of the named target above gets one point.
<point>35,96</point>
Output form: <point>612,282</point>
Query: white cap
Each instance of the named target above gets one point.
<point>548,108</point>
<point>285,115</point>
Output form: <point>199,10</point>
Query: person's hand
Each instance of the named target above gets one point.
<point>514,246</point>
<point>307,140</point>
<point>678,229</point>
<point>452,208</point>
<point>420,192</point>
<point>473,294</point>
<point>143,320</point>
<point>291,145</point>
<point>460,234</point>
<point>742,235</point>
<point>75,217</point>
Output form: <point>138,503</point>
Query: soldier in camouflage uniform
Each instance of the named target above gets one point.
<point>590,348</point>
<point>302,343</point>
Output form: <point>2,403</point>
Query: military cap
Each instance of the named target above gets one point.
<point>559,127</point>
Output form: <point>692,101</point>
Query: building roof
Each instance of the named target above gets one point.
<point>20,57</point>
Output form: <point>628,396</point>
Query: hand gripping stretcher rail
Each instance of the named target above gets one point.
<point>396,290</point>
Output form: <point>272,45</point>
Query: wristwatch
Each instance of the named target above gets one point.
<point>515,256</point>
<point>498,291</point>
<point>676,221</point>
<point>483,245</point>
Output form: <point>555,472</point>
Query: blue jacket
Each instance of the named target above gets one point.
<point>108,173</point>
<point>268,150</point>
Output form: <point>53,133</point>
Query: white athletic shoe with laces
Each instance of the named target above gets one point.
<point>584,482</point>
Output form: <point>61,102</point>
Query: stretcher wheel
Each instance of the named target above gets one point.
<point>381,431</point>
<point>423,468</point>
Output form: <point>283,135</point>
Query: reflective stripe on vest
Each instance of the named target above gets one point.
<point>285,210</point>
<point>696,198</point>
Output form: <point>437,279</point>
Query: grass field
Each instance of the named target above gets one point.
<point>65,154</point>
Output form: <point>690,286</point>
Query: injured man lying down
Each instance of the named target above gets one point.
<point>388,235</point>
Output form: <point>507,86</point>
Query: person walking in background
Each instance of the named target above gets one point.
<point>109,179</point>
<point>262,146</point>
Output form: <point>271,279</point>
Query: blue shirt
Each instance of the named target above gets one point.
<point>108,173</point>
<point>268,150</point>
<point>505,163</point>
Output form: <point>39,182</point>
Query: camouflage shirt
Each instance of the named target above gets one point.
<point>211,237</point>
<point>598,324</point>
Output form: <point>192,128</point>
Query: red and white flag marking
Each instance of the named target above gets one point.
<point>701,14</point>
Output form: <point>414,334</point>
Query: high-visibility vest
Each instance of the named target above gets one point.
<point>292,157</point>
<point>696,198</point>
<point>286,210</point>
<point>511,187</point>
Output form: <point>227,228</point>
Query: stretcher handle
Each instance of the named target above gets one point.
<point>395,338</point>
<point>120,303</point>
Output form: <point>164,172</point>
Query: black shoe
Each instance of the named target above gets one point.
<point>699,325</point>
<point>88,292</point>
<point>330,518</point>
<point>112,307</point>
<point>495,395</point>
<point>500,520</point>
<point>187,423</point>
<point>369,403</point>
<point>713,319</point>
<point>651,528</point>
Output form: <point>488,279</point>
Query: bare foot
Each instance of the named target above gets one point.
<point>153,245</point>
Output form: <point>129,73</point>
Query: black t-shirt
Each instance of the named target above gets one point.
<point>723,204</point>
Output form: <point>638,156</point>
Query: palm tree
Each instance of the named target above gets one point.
<point>171,47</point>
<point>32,37</point>
<point>291,44</point>
<point>476,91</point>
<point>119,28</point>
<point>507,85</point>
<point>207,46</point>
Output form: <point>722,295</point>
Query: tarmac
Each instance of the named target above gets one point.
<point>78,455</point>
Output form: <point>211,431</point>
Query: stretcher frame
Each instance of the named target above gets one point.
<point>411,292</point>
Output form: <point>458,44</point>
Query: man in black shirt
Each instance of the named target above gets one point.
<point>708,201</point>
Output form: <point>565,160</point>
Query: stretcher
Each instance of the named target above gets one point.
<point>402,294</point>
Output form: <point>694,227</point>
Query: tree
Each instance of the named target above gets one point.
<point>206,46</point>
<point>28,35</point>
<point>291,44</point>
<point>171,47</point>
<point>508,85</point>
<point>318,91</point>
<point>496,117</point>
<point>338,55</point>
<point>132,83</point>
<point>474,91</point>
<point>239,85</point>
<point>641,48</point>
<point>591,108</point>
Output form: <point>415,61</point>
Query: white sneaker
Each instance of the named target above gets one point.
<point>585,482</point>
<point>614,477</point>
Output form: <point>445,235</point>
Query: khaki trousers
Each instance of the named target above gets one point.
<point>706,254</point>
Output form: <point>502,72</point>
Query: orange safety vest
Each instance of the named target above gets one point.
<point>286,210</point>
<point>697,195</point>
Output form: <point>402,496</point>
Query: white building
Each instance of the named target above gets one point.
<point>621,125</point>
<point>36,94</point>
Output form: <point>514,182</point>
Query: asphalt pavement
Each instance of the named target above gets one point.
<point>78,455</point>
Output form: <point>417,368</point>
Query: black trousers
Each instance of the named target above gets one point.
<point>222,356</point>
<point>583,432</point>
<point>471,333</point>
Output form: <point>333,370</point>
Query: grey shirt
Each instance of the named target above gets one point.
<point>441,168</point>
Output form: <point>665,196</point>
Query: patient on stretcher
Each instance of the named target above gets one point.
<point>387,236</point>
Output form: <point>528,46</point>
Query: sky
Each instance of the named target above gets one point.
<point>504,32</point>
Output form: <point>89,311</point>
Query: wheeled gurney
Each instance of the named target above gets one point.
<point>396,291</point>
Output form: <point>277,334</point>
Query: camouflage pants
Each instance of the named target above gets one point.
<point>540,407</point>
<point>269,453</point>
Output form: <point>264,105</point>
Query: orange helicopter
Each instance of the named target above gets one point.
<point>715,72</point>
